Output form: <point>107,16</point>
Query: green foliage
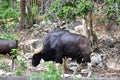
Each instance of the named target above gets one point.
<point>6,11</point>
<point>8,36</point>
<point>53,73</point>
<point>109,2</point>
<point>8,14</point>
<point>66,10</point>
<point>4,66</point>
<point>113,10</point>
<point>5,4</point>
<point>14,53</point>
<point>8,26</point>
<point>18,72</point>
<point>34,11</point>
<point>2,56</point>
<point>21,65</point>
<point>17,6</point>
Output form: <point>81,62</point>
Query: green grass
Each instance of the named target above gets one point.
<point>53,73</point>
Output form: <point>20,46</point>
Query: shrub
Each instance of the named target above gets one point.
<point>53,73</point>
<point>68,10</point>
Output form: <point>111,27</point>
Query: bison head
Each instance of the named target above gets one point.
<point>36,59</point>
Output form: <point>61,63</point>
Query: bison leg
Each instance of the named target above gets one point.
<point>78,66</point>
<point>89,69</point>
<point>64,62</point>
<point>58,57</point>
<point>75,70</point>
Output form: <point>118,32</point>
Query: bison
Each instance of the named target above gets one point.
<point>62,43</point>
<point>7,45</point>
<point>48,52</point>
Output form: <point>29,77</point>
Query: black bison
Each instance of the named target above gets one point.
<point>62,43</point>
<point>7,45</point>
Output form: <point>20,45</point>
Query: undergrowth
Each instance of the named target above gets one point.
<point>52,73</point>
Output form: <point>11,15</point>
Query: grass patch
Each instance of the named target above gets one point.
<point>52,73</point>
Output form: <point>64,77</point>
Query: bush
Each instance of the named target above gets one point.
<point>8,15</point>
<point>53,73</point>
<point>112,10</point>
<point>68,10</point>
<point>9,36</point>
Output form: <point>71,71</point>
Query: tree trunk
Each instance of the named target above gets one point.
<point>30,20</point>
<point>92,35</point>
<point>22,16</point>
<point>42,6</point>
<point>85,29</point>
<point>90,26</point>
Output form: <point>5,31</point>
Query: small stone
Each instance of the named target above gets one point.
<point>9,74</point>
<point>57,64</point>
<point>42,61</point>
<point>2,72</point>
<point>65,75</point>
<point>43,22</point>
<point>35,25</point>
<point>96,60</point>
<point>78,76</point>
<point>84,71</point>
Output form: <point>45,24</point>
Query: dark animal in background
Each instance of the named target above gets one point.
<point>60,44</point>
<point>7,45</point>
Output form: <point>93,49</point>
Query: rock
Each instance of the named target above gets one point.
<point>96,60</point>
<point>21,57</point>
<point>78,76</point>
<point>30,45</point>
<point>55,25</point>
<point>49,23</point>
<point>36,25</point>
<point>65,75</point>
<point>42,61</point>
<point>113,64</point>
<point>5,73</point>
<point>79,29</point>
<point>2,72</point>
<point>72,65</point>
<point>84,71</point>
<point>28,56</point>
<point>9,74</point>
<point>17,27</point>
<point>43,22</point>
<point>28,63</point>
